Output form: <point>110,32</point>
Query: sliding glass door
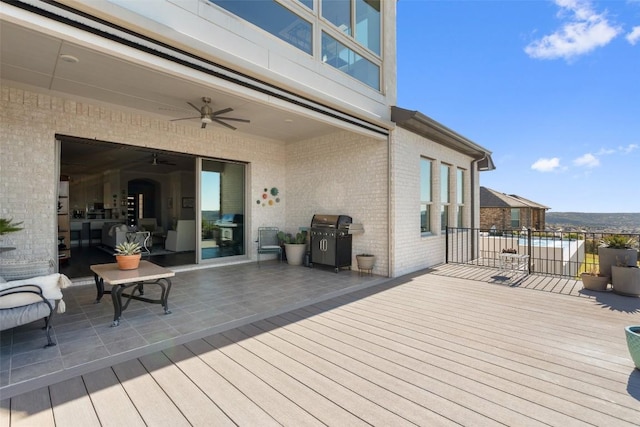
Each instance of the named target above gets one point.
<point>222,209</point>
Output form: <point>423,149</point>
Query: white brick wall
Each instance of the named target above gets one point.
<point>343,174</point>
<point>412,251</point>
<point>28,174</point>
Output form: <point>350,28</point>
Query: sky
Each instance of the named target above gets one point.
<point>550,87</point>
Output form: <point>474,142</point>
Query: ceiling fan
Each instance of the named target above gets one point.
<point>155,161</point>
<point>207,115</point>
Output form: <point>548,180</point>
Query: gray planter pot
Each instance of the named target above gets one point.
<point>626,280</point>
<point>295,253</point>
<point>365,262</point>
<point>609,256</point>
<point>594,283</point>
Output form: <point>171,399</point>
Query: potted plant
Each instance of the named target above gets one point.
<point>8,226</point>
<point>625,278</point>
<point>614,247</point>
<point>632,334</point>
<point>593,280</point>
<point>295,247</point>
<point>365,261</point>
<point>128,255</point>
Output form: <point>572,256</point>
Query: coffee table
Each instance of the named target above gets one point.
<point>147,273</point>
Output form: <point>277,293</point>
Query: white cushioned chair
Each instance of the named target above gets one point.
<point>183,238</point>
<point>27,300</point>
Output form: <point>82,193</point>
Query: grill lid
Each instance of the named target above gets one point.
<point>330,221</point>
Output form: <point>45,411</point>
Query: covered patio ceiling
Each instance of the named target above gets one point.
<point>45,54</point>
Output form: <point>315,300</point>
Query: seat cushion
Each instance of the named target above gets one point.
<point>12,317</point>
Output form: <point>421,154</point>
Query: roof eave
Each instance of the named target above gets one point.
<point>420,124</point>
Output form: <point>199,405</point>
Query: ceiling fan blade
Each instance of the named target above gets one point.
<point>234,119</point>
<point>196,108</point>
<point>222,123</point>
<point>226,110</point>
<point>185,118</point>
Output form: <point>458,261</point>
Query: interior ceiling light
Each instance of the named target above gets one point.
<point>69,58</point>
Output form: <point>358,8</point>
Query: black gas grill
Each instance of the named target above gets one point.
<point>331,241</point>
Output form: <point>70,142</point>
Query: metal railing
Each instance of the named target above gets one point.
<point>550,252</point>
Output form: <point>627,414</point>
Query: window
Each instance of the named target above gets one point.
<point>362,24</point>
<point>515,218</point>
<point>274,18</point>
<point>349,30</point>
<point>425,195</point>
<point>346,60</point>
<point>308,3</point>
<point>368,24</point>
<point>444,196</point>
<point>460,198</point>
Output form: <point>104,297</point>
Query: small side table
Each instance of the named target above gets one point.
<point>120,280</point>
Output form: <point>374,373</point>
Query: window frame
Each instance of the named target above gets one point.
<point>426,204</point>
<point>519,220</point>
<point>445,203</point>
<point>460,197</point>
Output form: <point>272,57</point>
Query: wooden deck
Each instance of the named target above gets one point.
<point>429,349</point>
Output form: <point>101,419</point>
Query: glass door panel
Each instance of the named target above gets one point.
<point>222,198</point>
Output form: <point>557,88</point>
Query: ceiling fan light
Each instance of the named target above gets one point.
<point>206,119</point>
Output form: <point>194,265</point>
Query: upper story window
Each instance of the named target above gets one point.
<point>346,60</point>
<point>308,3</point>
<point>359,19</point>
<point>271,16</point>
<point>425,195</point>
<point>350,30</point>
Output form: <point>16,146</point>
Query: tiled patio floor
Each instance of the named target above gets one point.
<point>202,302</point>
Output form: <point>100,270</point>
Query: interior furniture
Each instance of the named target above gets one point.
<point>143,238</point>
<point>121,280</point>
<point>183,238</point>
<point>268,242</point>
<point>27,300</point>
<point>158,234</point>
<point>114,233</point>
<point>64,222</point>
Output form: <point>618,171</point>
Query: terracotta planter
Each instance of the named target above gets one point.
<point>626,280</point>
<point>633,343</point>
<point>295,252</point>
<point>594,283</point>
<point>128,262</point>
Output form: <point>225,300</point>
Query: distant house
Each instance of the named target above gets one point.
<point>509,211</point>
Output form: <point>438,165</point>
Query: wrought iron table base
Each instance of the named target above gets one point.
<point>117,292</point>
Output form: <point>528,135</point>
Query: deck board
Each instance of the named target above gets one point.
<point>196,406</point>
<point>153,404</point>
<point>72,404</point>
<point>110,400</point>
<point>431,349</point>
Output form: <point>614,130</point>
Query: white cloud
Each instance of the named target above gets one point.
<point>588,160</point>
<point>629,148</point>
<point>634,36</point>
<point>546,165</point>
<point>604,151</point>
<point>584,31</point>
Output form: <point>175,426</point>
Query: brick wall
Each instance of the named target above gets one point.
<point>342,173</point>
<point>28,169</point>
<point>412,250</point>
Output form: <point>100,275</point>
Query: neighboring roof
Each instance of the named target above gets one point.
<point>420,124</point>
<point>493,199</point>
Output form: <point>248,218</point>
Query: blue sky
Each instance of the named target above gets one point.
<point>552,88</point>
